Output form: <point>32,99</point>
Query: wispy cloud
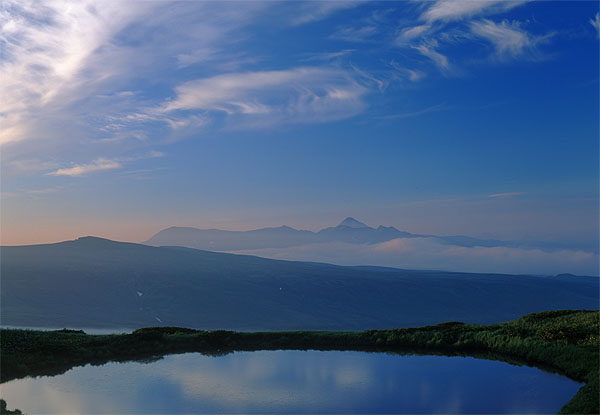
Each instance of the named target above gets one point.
<point>507,194</point>
<point>36,193</point>
<point>448,10</point>
<point>97,165</point>
<point>596,23</point>
<point>55,81</point>
<point>441,61</point>
<point>411,33</point>
<point>509,38</point>
<point>413,75</point>
<point>433,108</point>
<point>46,47</point>
<point>317,10</point>
<point>441,12</point>
<point>102,164</point>
<point>354,34</point>
<point>446,23</point>
<point>269,97</point>
<point>327,56</point>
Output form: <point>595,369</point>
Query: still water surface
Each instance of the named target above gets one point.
<point>295,381</point>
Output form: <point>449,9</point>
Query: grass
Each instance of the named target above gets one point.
<point>565,341</point>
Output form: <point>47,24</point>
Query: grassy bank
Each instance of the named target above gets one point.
<point>563,341</point>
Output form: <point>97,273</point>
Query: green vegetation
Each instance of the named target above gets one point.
<point>564,341</point>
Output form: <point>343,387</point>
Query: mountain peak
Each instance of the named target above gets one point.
<point>352,223</point>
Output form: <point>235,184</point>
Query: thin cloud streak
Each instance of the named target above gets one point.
<point>101,164</point>
<point>433,108</point>
<point>97,165</point>
<point>328,56</point>
<point>507,194</point>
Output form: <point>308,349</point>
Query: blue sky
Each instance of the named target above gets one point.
<point>447,117</point>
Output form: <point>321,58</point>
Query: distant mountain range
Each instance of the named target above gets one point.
<point>349,230</point>
<point>93,282</point>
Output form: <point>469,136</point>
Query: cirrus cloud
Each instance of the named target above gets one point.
<point>305,94</point>
<point>100,164</point>
<point>509,38</point>
<point>506,194</point>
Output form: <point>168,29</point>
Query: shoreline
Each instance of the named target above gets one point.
<point>564,342</point>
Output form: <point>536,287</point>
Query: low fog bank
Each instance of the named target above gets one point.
<point>429,253</point>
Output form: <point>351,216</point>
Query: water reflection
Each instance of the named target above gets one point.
<point>298,382</point>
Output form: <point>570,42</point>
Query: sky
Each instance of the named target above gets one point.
<point>479,118</point>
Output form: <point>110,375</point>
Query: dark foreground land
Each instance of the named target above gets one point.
<point>564,341</point>
<point>94,282</point>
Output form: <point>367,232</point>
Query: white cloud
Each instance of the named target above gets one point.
<point>102,164</point>
<point>427,253</point>
<point>596,23</point>
<point>441,12</point>
<point>46,48</point>
<point>450,22</point>
<point>441,61</point>
<point>448,10</point>
<point>411,33</point>
<point>316,10</point>
<point>57,88</point>
<point>97,165</point>
<point>415,75</point>
<point>508,38</point>
<point>507,194</point>
<point>369,79</point>
<point>305,94</point>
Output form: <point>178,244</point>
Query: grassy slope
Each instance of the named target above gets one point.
<point>563,341</point>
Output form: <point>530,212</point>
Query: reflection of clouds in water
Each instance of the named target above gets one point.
<point>349,376</point>
<point>58,396</point>
<point>249,380</point>
<point>452,406</point>
<point>295,381</point>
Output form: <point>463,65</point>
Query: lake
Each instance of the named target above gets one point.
<point>296,382</point>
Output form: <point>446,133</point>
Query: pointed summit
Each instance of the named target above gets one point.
<point>352,223</point>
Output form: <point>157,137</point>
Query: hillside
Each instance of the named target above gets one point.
<point>93,282</point>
